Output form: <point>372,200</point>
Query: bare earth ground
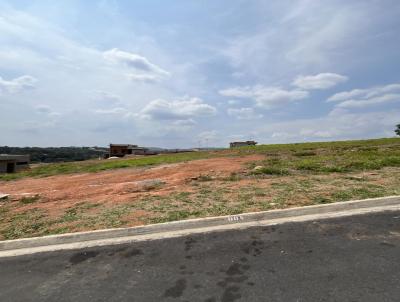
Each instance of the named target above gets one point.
<point>136,196</point>
<point>58,193</point>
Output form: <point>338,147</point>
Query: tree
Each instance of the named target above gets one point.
<point>397,130</point>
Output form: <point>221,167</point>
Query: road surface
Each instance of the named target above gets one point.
<point>344,259</point>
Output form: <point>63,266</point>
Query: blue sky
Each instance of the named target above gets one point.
<point>189,73</point>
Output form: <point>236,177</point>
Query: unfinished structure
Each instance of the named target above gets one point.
<point>242,144</point>
<point>120,150</point>
<point>13,163</point>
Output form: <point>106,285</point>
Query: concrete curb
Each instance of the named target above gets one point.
<point>184,227</point>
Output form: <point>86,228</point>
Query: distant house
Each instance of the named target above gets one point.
<point>242,144</point>
<point>120,150</point>
<point>13,163</point>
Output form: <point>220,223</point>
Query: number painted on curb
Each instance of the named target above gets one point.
<point>235,218</point>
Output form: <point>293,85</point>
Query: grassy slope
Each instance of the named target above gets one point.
<point>348,156</point>
<point>101,165</point>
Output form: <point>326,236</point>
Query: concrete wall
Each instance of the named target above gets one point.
<point>119,151</point>
<point>5,163</point>
<point>3,167</point>
<point>19,162</point>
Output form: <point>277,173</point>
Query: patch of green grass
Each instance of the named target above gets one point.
<point>152,185</point>
<point>29,199</point>
<point>271,171</point>
<point>304,153</point>
<point>321,200</point>
<point>25,224</point>
<point>3,211</point>
<point>114,217</point>
<point>209,199</point>
<point>335,157</point>
<point>77,212</point>
<point>354,178</point>
<point>70,215</point>
<point>259,192</point>
<point>367,191</point>
<point>205,190</point>
<point>102,165</point>
<point>183,197</point>
<point>59,230</point>
<point>278,149</point>
<point>175,215</point>
<point>317,166</point>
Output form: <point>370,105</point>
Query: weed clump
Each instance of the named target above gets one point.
<point>271,171</point>
<point>29,199</point>
<point>205,178</point>
<point>304,153</point>
<point>234,177</point>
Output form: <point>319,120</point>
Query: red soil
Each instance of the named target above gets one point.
<point>118,186</point>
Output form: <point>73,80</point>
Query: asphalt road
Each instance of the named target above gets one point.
<point>346,259</point>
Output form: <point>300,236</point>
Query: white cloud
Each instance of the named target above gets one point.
<point>282,135</point>
<point>362,103</point>
<point>363,98</point>
<point>144,78</point>
<point>244,113</point>
<point>341,96</point>
<point>266,97</point>
<point>185,109</point>
<point>116,112</point>
<point>136,62</point>
<point>338,125</point>
<point>307,132</point>
<point>364,93</point>
<point>72,71</point>
<point>301,133</point>
<point>238,92</point>
<point>317,35</point>
<point>106,98</point>
<point>17,85</point>
<point>184,123</point>
<point>233,102</point>
<point>319,81</point>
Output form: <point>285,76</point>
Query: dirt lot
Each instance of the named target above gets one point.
<point>57,194</point>
<point>269,178</point>
<point>118,186</point>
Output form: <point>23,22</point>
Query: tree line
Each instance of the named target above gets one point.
<point>56,154</point>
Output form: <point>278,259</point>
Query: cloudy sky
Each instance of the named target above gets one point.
<point>187,73</point>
